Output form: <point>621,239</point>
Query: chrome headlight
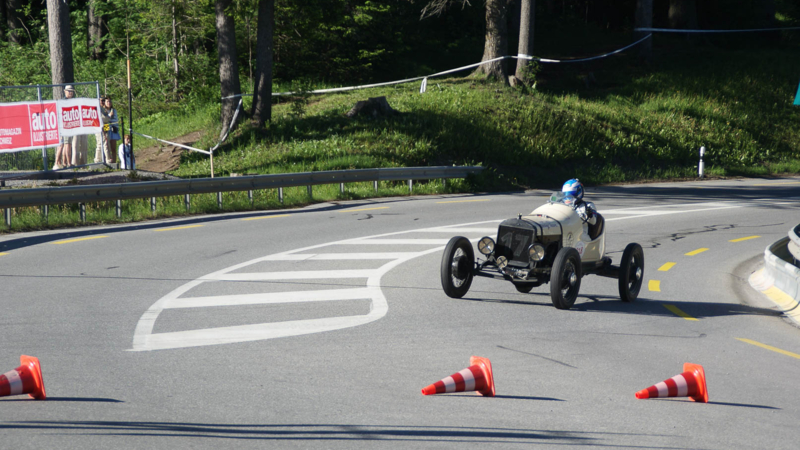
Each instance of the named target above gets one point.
<point>536,252</point>
<point>502,262</point>
<point>486,246</point>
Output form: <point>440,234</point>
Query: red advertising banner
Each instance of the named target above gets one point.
<point>34,125</point>
<point>28,126</point>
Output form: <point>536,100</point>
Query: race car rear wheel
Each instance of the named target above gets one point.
<point>565,278</point>
<point>631,272</point>
<point>458,261</point>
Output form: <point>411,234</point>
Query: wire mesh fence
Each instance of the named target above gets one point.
<point>41,159</point>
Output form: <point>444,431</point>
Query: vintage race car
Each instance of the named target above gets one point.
<point>553,244</point>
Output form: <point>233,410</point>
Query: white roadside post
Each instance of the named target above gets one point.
<point>701,166</point>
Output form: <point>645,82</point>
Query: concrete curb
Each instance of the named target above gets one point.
<point>779,280</point>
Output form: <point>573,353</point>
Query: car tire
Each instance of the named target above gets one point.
<point>565,278</point>
<point>524,288</point>
<point>631,272</point>
<point>458,262</point>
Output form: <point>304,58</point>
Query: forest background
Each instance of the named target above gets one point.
<point>622,119</point>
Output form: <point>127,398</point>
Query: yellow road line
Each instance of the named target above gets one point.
<point>364,209</point>
<point>466,201</point>
<point>1,254</point>
<point>744,239</point>
<point>769,347</point>
<point>69,241</point>
<point>178,228</point>
<point>695,252</point>
<point>267,217</point>
<point>654,285</point>
<point>777,184</point>
<point>675,310</point>
<point>666,267</point>
<point>786,303</point>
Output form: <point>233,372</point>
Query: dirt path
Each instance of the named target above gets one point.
<point>164,157</point>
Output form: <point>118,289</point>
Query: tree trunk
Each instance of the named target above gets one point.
<point>96,31</point>
<point>175,66</point>
<point>228,65</point>
<point>644,19</point>
<point>496,40</point>
<point>526,26</point>
<point>16,33</point>
<point>60,44</point>
<point>262,83</point>
<point>683,14</point>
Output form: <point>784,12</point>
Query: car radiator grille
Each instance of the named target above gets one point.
<point>513,243</point>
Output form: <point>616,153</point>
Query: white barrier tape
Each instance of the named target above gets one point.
<point>673,30</point>
<point>174,143</point>
<point>446,72</point>
<point>588,59</point>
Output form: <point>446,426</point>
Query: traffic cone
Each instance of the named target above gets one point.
<point>25,379</point>
<point>476,377</point>
<point>691,383</point>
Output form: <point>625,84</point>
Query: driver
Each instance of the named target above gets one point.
<point>586,210</point>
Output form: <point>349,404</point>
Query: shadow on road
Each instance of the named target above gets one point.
<point>342,432</point>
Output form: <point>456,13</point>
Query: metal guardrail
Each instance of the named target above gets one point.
<point>16,198</point>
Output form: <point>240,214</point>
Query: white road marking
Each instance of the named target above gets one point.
<point>368,241</point>
<point>338,256</point>
<point>459,230</point>
<point>272,298</point>
<point>296,275</point>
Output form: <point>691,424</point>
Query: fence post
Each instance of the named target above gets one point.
<point>7,215</point>
<point>375,185</point>
<point>82,208</point>
<point>119,208</point>
<point>444,183</point>
<point>153,204</point>
<point>45,212</point>
<point>44,149</point>
<point>310,194</point>
<point>410,186</point>
<point>219,200</point>
<point>280,195</point>
<point>341,188</point>
<point>187,201</point>
<point>250,197</point>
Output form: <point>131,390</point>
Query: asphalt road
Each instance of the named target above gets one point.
<point>318,327</point>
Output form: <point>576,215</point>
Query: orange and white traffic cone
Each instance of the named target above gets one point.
<point>477,377</point>
<point>691,383</point>
<point>25,379</point>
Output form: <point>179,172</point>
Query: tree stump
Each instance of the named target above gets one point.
<point>374,106</point>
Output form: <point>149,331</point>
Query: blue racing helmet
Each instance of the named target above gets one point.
<point>574,188</point>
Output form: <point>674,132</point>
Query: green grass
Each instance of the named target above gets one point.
<point>638,122</point>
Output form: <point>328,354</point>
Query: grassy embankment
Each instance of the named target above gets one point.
<point>631,122</point>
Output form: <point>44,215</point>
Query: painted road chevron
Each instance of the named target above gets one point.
<point>419,242</point>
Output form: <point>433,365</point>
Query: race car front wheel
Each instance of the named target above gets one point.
<point>458,261</point>
<point>565,278</point>
<point>631,272</point>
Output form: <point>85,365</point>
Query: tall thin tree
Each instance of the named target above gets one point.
<point>96,30</point>
<point>13,21</point>
<point>58,27</point>
<point>643,18</point>
<point>262,83</point>
<point>526,27</point>
<point>228,65</point>
<point>495,42</point>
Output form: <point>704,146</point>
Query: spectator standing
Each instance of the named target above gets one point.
<point>64,149</point>
<point>126,154</point>
<point>112,134</point>
<point>100,138</point>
